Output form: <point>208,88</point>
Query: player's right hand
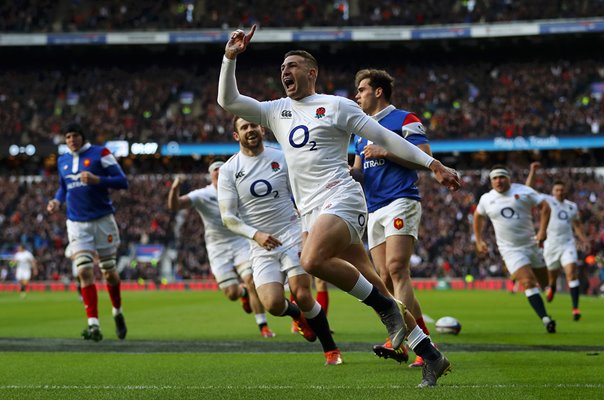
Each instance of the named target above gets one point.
<point>267,241</point>
<point>176,182</point>
<point>53,206</point>
<point>238,42</point>
<point>535,165</point>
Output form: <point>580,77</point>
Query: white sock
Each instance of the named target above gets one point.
<point>416,336</point>
<point>93,321</point>
<point>314,311</point>
<point>574,284</point>
<point>362,289</point>
<point>260,319</point>
<point>116,311</point>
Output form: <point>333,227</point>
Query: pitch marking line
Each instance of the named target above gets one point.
<point>286,387</point>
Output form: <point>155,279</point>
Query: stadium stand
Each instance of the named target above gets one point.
<point>114,15</point>
<point>445,247</point>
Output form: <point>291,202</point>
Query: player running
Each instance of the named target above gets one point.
<point>255,202</point>
<point>228,253</point>
<point>560,248</point>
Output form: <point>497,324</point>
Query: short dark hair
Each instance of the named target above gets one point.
<point>235,119</point>
<point>73,127</point>
<point>310,60</point>
<point>559,182</point>
<point>498,166</point>
<point>378,78</point>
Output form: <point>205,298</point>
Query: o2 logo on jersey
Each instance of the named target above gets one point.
<point>262,188</point>
<point>563,215</point>
<point>298,142</point>
<point>509,213</point>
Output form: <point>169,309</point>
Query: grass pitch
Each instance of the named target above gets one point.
<point>199,345</point>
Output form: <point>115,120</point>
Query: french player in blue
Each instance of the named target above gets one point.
<point>86,173</point>
<point>393,199</point>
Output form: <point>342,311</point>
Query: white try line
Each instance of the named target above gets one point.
<point>290,387</point>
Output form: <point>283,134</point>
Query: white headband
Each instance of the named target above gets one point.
<point>499,172</point>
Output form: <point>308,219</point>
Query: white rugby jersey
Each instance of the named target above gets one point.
<point>510,213</point>
<point>205,202</point>
<point>314,134</point>
<point>560,227</point>
<point>24,260</point>
<point>258,188</point>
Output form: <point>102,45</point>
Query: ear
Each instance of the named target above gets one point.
<point>379,92</point>
<point>236,136</point>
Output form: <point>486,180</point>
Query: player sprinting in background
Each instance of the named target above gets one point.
<point>508,206</point>
<point>86,174</point>
<point>560,248</point>
<point>26,266</point>
<point>255,202</point>
<point>228,253</point>
<point>314,131</point>
<point>393,199</point>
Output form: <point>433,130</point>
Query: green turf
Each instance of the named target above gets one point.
<point>488,319</point>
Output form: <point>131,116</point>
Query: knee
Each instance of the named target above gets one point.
<point>311,262</point>
<point>274,306</point>
<point>304,299</point>
<point>398,269</point>
<point>232,292</point>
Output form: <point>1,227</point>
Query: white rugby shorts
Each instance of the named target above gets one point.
<point>100,235</point>
<point>520,256</point>
<point>559,254</point>
<point>347,202</point>
<point>400,217</point>
<point>229,261</point>
<point>23,274</point>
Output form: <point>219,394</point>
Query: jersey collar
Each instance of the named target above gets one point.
<point>82,149</point>
<point>384,112</point>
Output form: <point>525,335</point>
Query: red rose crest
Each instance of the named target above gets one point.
<point>516,196</point>
<point>320,113</point>
<point>398,223</point>
<point>275,166</point>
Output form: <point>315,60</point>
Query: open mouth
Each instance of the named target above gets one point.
<point>288,82</point>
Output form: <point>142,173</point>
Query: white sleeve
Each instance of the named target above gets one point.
<point>229,97</point>
<point>228,201</point>
<point>480,207</point>
<point>355,120</point>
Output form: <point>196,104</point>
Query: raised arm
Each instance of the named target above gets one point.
<point>176,202</point>
<point>229,97</point>
<point>530,179</point>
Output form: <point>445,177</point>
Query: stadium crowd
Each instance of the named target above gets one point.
<point>455,100</point>
<point>445,247</point>
<point>113,15</point>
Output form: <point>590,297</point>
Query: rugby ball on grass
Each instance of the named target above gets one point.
<point>448,325</point>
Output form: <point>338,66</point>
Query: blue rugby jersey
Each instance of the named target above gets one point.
<point>89,202</point>
<point>384,180</point>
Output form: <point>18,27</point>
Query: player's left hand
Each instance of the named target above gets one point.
<point>446,176</point>
<point>372,151</point>
<point>89,178</point>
